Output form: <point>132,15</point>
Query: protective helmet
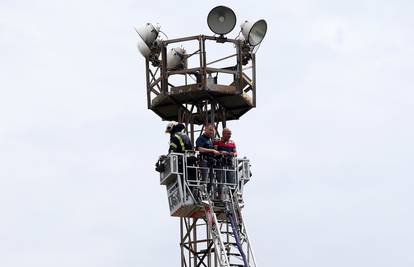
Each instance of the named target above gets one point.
<point>170,126</point>
<point>179,127</point>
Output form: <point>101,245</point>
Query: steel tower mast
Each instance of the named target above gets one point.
<point>192,88</point>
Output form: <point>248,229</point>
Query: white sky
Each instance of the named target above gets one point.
<point>331,140</point>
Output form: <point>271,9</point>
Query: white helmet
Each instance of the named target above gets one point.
<point>170,126</point>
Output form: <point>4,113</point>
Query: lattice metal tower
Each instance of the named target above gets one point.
<point>211,80</point>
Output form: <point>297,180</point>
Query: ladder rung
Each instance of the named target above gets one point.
<point>233,254</point>
<point>230,243</point>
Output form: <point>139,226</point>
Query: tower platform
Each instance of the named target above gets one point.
<point>234,104</point>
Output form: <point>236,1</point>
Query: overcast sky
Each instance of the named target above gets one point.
<point>331,139</point>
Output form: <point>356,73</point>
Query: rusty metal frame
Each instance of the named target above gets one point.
<point>158,77</point>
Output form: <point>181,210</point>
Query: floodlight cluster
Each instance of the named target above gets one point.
<point>221,20</point>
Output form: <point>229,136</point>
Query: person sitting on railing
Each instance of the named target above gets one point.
<point>204,144</point>
<point>227,147</point>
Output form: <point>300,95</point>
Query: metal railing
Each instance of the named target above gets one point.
<point>185,173</point>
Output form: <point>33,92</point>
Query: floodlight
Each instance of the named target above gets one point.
<point>254,32</point>
<point>149,42</point>
<point>176,58</point>
<point>148,34</point>
<point>221,20</point>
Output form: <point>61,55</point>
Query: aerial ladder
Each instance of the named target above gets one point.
<point>213,226</point>
<point>238,232</point>
<point>226,240</point>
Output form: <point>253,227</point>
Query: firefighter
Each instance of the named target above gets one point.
<point>179,141</point>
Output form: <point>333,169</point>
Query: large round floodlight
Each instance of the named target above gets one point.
<point>254,32</point>
<point>148,34</point>
<point>221,20</point>
<point>143,48</point>
<point>176,58</point>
